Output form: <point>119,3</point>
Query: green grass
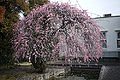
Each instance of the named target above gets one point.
<point>3,67</point>
<point>24,64</point>
<point>10,75</point>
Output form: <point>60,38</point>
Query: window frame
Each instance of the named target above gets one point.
<point>104,42</point>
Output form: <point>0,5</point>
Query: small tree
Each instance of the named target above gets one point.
<point>9,10</point>
<point>54,28</point>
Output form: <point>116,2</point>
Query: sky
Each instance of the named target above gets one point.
<point>96,8</point>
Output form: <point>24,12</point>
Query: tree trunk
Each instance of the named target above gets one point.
<point>38,64</point>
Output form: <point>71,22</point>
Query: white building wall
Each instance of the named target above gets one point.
<point>111,25</point>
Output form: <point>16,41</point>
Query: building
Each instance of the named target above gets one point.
<point>111,32</point>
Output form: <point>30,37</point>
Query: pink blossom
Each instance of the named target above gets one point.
<point>39,34</point>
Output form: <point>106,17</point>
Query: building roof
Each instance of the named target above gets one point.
<point>107,17</point>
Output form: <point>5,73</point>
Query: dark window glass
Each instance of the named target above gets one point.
<point>104,43</point>
<point>118,35</point>
<point>118,43</point>
<point>104,34</point>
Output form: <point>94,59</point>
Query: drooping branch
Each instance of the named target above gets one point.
<point>54,29</point>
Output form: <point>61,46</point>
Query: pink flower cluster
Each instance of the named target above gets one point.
<point>54,29</point>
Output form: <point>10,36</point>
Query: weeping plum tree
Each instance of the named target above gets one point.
<point>56,29</point>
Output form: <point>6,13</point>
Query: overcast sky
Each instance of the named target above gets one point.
<point>98,7</point>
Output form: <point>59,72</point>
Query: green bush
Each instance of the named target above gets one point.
<point>6,51</point>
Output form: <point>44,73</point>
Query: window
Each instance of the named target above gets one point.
<point>104,34</point>
<point>118,40</point>
<point>118,43</point>
<point>118,35</point>
<point>104,42</point>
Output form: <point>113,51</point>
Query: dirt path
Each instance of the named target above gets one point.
<point>17,71</point>
<point>27,72</point>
